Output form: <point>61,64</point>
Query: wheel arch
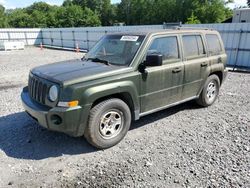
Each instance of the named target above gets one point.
<point>125,91</point>
<point>219,74</point>
<point>124,96</point>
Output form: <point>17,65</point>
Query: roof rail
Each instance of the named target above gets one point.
<point>192,28</point>
<point>171,25</point>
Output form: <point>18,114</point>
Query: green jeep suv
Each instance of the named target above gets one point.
<point>123,77</point>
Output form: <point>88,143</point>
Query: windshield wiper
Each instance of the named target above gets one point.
<point>99,60</point>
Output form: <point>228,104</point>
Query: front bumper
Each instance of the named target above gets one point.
<point>67,120</point>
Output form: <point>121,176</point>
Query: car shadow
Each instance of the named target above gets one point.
<point>22,138</point>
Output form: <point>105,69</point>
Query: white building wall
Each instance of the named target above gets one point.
<point>241,16</point>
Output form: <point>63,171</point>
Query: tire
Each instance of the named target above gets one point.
<point>109,122</point>
<point>210,91</point>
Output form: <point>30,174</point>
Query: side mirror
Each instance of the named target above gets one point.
<point>153,60</point>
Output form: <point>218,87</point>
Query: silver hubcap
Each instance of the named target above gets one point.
<point>211,91</point>
<point>111,124</point>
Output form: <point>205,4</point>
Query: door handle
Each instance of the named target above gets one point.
<point>176,70</point>
<point>219,60</point>
<point>204,64</point>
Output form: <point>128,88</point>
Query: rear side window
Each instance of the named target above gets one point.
<point>214,46</point>
<point>193,46</point>
<point>167,46</point>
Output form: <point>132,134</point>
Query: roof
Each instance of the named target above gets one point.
<point>242,9</point>
<point>163,31</point>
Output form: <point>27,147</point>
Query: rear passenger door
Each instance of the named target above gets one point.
<point>196,64</point>
<point>162,85</point>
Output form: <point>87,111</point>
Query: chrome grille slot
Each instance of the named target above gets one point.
<point>44,93</point>
<point>37,89</point>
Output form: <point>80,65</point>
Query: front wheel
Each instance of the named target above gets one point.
<point>109,121</point>
<point>210,91</point>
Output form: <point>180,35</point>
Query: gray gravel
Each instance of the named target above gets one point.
<point>184,146</point>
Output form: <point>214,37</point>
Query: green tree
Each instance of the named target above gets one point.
<point>211,11</point>
<point>156,11</point>
<point>38,6</point>
<point>76,13</point>
<point>38,19</point>
<point>103,8</point>
<point>193,19</point>
<point>75,16</point>
<point>67,3</point>
<point>19,18</point>
<point>39,12</point>
<point>43,15</point>
<point>106,13</point>
<point>52,19</point>
<point>90,18</point>
<point>3,19</point>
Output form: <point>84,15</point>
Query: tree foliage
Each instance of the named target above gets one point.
<point>157,12</point>
<point>3,19</point>
<point>193,19</point>
<point>77,13</point>
<point>41,14</point>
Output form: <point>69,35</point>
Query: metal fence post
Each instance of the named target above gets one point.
<point>237,50</point>
<point>74,38</point>
<point>26,37</point>
<point>87,32</point>
<point>61,39</point>
<point>51,39</point>
<point>8,33</point>
<point>42,37</point>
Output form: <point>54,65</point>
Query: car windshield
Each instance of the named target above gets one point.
<point>116,49</point>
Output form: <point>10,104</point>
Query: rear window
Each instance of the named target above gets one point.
<point>193,46</point>
<point>214,46</point>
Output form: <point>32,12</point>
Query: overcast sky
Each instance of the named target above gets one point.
<point>24,3</point>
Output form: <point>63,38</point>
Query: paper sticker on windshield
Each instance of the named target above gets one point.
<point>129,38</point>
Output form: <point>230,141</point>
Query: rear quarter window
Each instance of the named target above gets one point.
<point>214,45</point>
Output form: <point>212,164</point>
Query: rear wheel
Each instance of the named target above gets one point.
<point>109,121</point>
<point>210,91</point>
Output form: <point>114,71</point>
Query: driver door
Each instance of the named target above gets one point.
<point>161,86</point>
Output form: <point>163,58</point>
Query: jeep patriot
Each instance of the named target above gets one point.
<point>123,77</point>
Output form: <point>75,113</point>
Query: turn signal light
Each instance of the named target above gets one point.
<point>68,104</point>
<point>73,103</point>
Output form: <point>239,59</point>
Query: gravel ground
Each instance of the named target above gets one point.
<point>184,146</point>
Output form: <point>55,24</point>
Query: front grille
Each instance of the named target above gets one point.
<point>38,89</point>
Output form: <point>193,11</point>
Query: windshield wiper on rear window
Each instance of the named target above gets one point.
<point>99,60</point>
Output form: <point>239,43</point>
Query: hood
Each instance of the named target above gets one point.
<point>72,70</point>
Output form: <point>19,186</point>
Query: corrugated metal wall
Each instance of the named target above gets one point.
<point>236,37</point>
<point>28,36</point>
<point>85,37</point>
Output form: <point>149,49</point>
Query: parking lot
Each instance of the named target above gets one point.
<point>184,146</point>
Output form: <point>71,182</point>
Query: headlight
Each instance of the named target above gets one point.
<point>53,93</point>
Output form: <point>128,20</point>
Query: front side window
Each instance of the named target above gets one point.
<point>116,49</point>
<point>214,46</point>
<point>193,46</point>
<point>166,46</point>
